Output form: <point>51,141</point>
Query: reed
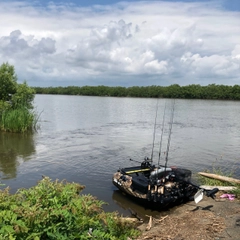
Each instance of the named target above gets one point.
<point>18,119</point>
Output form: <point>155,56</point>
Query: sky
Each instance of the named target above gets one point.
<point>121,43</point>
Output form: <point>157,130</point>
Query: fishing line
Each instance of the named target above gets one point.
<point>154,132</point>
<point>170,132</point>
<point>160,146</point>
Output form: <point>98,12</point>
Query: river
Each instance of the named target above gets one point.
<point>86,139</point>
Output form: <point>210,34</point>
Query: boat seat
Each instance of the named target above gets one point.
<point>140,183</point>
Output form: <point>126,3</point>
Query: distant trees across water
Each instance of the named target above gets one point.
<point>194,91</point>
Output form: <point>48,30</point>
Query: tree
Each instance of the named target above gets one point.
<point>8,82</point>
<point>16,113</point>
<point>12,92</point>
<point>24,96</point>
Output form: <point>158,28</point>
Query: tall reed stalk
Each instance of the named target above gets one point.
<point>18,119</point>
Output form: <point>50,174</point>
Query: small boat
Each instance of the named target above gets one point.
<point>159,186</point>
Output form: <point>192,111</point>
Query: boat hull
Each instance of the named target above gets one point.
<point>157,187</point>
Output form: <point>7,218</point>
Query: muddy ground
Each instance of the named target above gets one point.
<point>209,219</point>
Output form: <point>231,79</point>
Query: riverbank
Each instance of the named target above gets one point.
<point>209,219</point>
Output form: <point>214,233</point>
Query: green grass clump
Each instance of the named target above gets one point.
<point>17,120</point>
<point>236,191</point>
<point>215,182</point>
<point>215,169</point>
<point>57,210</point>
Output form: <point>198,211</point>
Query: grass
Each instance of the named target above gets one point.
<point>215,182</point>
<point>18,120</point>
<point>236,192</point>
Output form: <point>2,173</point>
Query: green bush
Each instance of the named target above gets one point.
<point>16,102</point>
<point>57,210</point>
<point>4,106</point>
<point>17,120</point>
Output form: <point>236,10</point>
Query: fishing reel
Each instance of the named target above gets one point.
<point>147,163</point>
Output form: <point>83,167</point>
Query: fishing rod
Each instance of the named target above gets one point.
<point>170,132</point>
<point>160,146</point>
<point>145,164</point>
<point>134,161</point>
<point>154,132</point>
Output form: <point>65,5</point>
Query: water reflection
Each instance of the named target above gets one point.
<point>14,149</point>
<point>130,205</point>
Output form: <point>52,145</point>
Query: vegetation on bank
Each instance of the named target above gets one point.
<point>57,210</point>
<point>215,182</point>
<point>193,91</point>
<point>16,108</point>
<point>237,190</point>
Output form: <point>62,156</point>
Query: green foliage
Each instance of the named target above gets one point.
<point>18,119</point>
<point>4,106</point>
<point>24,96</point>
<point>193,91</point>
<point>216,182</point>
<point>237,190</point>
<point>15,102</point>
<point>215,169</point>
<point>57,210</point>
<point>8,81</point>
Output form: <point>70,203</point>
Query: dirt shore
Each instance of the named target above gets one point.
<point>209,219</point>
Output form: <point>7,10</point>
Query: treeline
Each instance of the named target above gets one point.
<point>193,91</point>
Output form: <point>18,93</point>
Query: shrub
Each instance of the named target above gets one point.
<point>16,102</point>
<point>56,210</point>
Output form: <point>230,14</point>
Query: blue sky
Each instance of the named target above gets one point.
<point>232,5</point>
<point>121,43</point>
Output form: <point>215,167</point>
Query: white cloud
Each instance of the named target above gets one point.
<point>211,66</point>
<point>236,53</point>
<point>156,66</point>
<point>169,42</point>
<point>17,44</point>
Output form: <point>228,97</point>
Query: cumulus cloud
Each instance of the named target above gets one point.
<point>169,42</point>
<point>211,66</point>
<point>98,45</point>
<point>236,53</point>
<point>17,44</point>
